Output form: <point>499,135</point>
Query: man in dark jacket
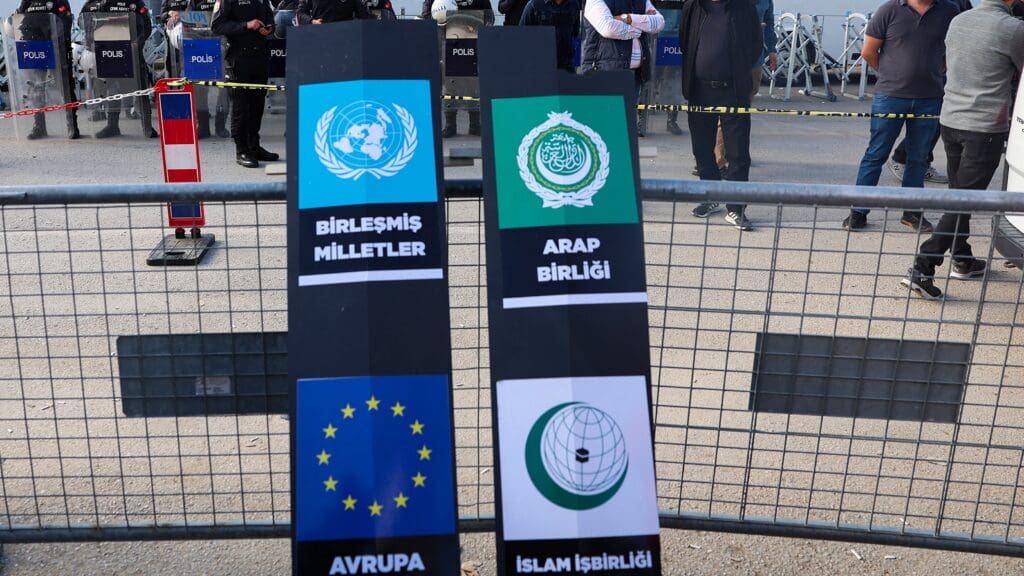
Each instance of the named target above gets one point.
<point>325,11</point>
<point>722,40</point>
<point>564,17</point>
<point>513,11</point>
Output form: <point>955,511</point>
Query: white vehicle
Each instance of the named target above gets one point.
<point>1009,233</point>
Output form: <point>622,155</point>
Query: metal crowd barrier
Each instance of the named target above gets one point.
<point>798,389</point>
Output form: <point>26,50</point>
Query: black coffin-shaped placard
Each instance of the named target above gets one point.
<point>570,362</point>
<point>373,476</point>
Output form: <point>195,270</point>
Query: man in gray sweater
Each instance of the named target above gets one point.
<point>984,55</point>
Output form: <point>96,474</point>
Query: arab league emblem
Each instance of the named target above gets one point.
<point>563,162</point>
<point>366,137</point>
<point>576,456</point>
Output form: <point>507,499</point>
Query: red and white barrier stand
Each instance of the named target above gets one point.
<point>179,147</point>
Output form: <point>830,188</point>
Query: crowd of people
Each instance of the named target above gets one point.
<point>953,63</point>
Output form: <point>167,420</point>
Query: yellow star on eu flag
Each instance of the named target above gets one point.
<point>419,480</point>
<point>348,411</point>
<point>375,508</point>
<point>401,500</point>
<point>424,453</point>
<point>398,409</point>
<point>330,484</point>
<point>372,403</point>
<point>323,458</point>
<point>329,431</point>
<point>350,503</point>
<point>417,427</point>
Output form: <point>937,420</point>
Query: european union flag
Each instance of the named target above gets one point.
<point>373,458</point>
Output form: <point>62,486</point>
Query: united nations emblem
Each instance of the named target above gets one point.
<point>365,137</point>
<point>563,162</point>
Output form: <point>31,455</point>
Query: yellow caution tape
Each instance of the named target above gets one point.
<point>640,107</point>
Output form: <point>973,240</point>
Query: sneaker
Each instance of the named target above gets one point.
<point>706,209</point>
<point>739,221</point>
<point>855,221</point>
<point>968,270</point>
<point>673,128</point>
<point>935,176</point>
<point>897,170</point>
<point>923,285</point>
<point>917,222</point>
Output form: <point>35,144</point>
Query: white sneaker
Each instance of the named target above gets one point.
<point>935,176</point>
<point>897,170</point>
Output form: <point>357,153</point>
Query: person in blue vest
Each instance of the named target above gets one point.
<point>62,10</point>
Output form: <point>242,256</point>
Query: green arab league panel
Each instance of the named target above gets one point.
<point>563,160</point>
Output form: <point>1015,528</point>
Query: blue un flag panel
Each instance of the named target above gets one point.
<point>373,458</point>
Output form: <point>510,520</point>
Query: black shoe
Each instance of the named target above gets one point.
<point>855,221</point>
<point>695,171</point>
<point>706,209</point>
<point>917,222</point>
<point>264,155</point>
<point>220,125</point>
<point>448,131</point>
<point>673,128</point>
<point>109,131</point>
<point>147,132</point>
<point>969,269</point>
<point>38,131</point>
<point>248,160</point>
<point>923,285</point>
<point>202,125</point>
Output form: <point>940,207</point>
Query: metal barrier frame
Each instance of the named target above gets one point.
<point>653,190</point>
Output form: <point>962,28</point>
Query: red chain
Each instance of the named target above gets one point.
<point>43,110</point>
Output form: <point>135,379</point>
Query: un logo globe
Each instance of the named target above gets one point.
<point>577,456</point>
<point>365,135</point>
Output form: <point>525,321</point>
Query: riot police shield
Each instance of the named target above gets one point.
<point>665,85</point>
<point>199,53</point>
<point>277,103</point>
<point>37,62</point>
<point>458,50</point>
<point>113,64</point>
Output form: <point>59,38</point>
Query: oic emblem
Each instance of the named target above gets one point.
<point>366,137</point>
<point>563,162</point>
<point>576,456</point>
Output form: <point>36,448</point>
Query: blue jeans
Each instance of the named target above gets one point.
<point>884,133</point>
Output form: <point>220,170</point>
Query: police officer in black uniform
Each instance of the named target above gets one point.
<point>324,11</point>
<point>246,24</point>
<point>450,116</point>
<point>63,11</point>
<point>143,26</point>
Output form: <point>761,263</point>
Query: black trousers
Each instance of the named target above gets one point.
<point>246,104</point>
<point>735,131</point>
<point>899,156</point>
<point>973,158</point>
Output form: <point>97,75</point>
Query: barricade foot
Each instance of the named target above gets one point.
<point>177,251</point>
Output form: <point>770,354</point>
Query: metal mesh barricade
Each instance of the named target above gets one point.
<point>799,389</point>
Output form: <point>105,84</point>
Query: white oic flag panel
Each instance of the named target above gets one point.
<point>576,458</point>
